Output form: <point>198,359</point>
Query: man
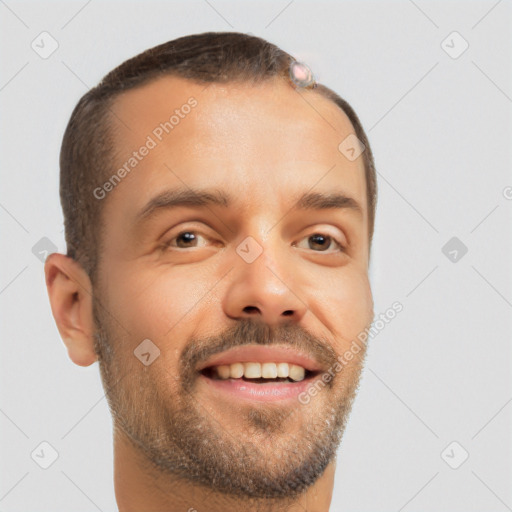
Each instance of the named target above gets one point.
<point>219,209</point>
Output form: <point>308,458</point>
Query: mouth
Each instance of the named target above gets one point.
<point>259,374</point>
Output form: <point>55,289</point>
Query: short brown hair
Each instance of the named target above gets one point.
<point>86,157</point>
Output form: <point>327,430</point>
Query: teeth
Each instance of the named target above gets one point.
<point>237,370</point>
<point>297,372</point>
<point>252,370</point>
<point>224,372</point>
<point>269,370</point>
<point>283,369</point>
<point>261,370</point>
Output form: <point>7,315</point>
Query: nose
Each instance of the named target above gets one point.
<point>266,289</point>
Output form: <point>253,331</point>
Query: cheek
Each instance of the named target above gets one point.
<point>159,304</point>
<point>346,307</point>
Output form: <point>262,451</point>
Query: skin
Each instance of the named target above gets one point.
<point>264,144</point>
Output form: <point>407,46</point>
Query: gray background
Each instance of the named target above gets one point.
<point>440,129</point>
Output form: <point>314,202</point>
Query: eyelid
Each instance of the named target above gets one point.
<point>327,229</point>
<point>185,226</point>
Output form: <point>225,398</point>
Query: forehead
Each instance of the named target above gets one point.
<point>266,138</point>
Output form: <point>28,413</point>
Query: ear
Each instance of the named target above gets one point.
<point>70,293</point>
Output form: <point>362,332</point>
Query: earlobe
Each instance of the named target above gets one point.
<point>70,293</point>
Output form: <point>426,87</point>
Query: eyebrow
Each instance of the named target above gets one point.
<point>201,198</point>
<point>326,201</point>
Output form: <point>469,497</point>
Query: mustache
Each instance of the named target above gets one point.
<point>248,332</point>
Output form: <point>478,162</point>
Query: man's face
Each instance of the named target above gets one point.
<point>260,280</point>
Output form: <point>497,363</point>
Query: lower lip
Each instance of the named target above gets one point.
<point>267,392</point>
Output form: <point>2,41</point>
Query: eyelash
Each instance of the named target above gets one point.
<point>168,244</point>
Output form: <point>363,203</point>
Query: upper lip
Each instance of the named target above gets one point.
<point>262,354</point>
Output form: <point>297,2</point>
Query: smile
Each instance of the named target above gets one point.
<point>259,373</point>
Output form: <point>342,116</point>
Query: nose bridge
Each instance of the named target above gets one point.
<point>263,282</point>
<point>267,270</point>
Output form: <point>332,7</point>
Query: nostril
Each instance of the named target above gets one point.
<point>250,309</point>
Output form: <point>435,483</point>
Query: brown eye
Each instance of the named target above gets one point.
<point>319,242</point>
<point>184,240</point>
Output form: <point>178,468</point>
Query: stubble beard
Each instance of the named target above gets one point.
<point>177,436</point>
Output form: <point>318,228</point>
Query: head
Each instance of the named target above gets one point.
<point>211,207</point>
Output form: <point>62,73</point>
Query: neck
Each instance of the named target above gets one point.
<point>139,489</point>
